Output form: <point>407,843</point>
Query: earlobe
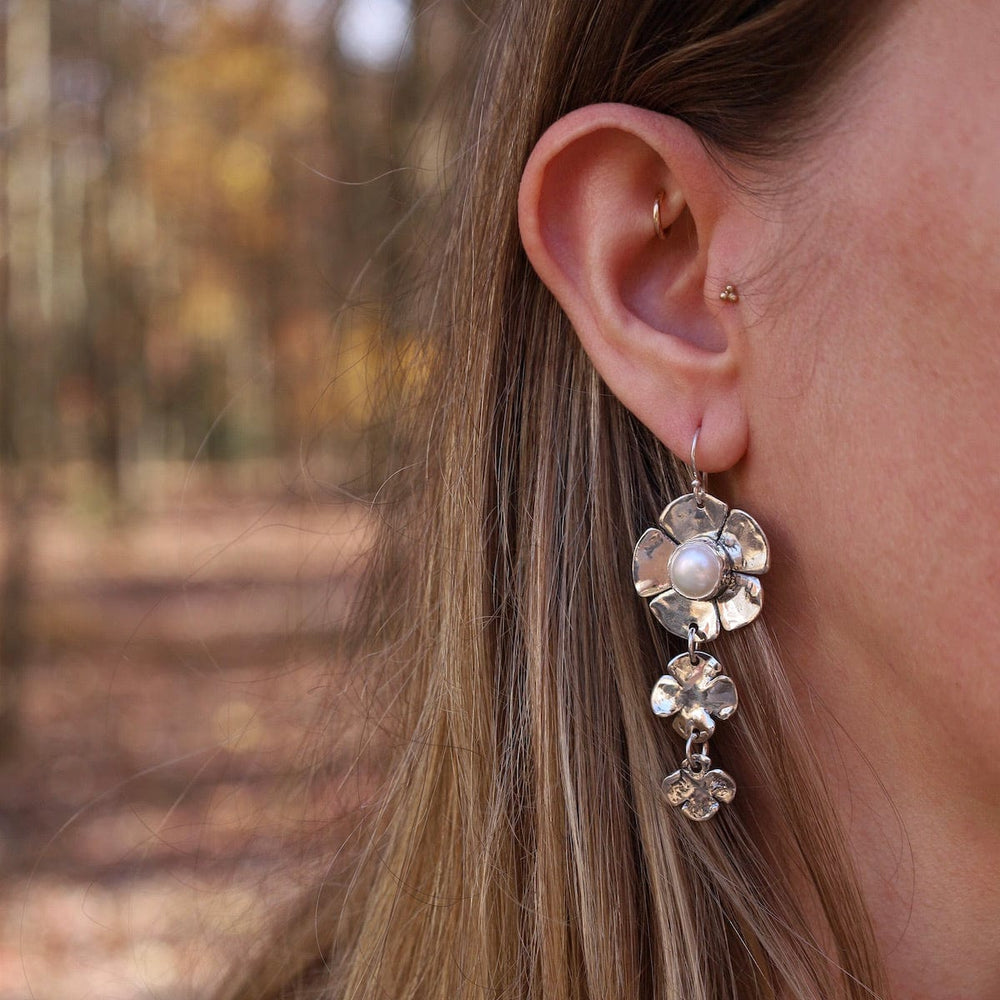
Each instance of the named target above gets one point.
<point>646,308</point>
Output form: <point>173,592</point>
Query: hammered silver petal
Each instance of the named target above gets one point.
<point>742,603</point>
<point>746,543</point>
<point>684,519</point>
<point>694,717</point>
<point>651,562</point>
<point>679,786</point>
<point>720,785</point>
<point>700,806</point>
<point>718,696</point>
<point>666,693</point>
<point>675,613</point>
<point>704,667</point>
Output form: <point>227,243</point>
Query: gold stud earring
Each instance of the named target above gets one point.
<point>729,294</point>
<point>657,223</point>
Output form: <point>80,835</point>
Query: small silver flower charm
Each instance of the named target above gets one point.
<point>696,693</point>
<point>701,565</point>
<point>697,790</point>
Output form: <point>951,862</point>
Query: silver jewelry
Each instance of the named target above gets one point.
<point>729,294</point>
<point>701,567</point>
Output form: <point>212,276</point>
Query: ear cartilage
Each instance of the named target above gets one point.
<point>729,294</point>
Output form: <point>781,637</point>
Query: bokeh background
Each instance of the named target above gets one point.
<point>210,212</point>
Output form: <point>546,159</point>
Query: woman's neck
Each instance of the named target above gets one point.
<point>921,815</point>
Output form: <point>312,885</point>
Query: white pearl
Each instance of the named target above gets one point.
<point>696,570</point>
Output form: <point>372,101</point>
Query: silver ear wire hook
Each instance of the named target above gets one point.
<point>698,478</point>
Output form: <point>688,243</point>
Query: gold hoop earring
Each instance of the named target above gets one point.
<point>657,222</point>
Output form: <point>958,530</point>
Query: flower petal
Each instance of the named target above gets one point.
<point>650,562</point>
<point>700,804</point>
<point>742,603</point>
<point>678,787</point>
<point>720,785</point>
<point>750,553</point>
<point>684,519</point>
<point>676,612</point>
<point>664,698</point>
<point>718,696</point>
<point>702,670</point>
<point>698,809</point>
<point>692,718</point>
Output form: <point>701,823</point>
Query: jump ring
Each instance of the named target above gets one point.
<point>694,637</point>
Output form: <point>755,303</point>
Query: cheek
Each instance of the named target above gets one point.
<point>874,390</point>
<point>879,441</point>
<point>909,378</point>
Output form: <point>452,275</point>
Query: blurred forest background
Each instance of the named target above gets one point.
<point>209,214</point>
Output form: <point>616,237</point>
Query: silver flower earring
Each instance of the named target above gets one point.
<point>701,568</point>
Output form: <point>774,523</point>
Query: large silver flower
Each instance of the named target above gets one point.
<point>695,693</point>
<point>702,564</point>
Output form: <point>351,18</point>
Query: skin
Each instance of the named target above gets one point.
<point>891,614</point>
<point>850,401</point>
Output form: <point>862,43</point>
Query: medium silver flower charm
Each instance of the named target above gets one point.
<point>701,566</point>
<point>695,693</point>
<point>697,790</point>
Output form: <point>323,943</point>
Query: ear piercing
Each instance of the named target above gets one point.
<point>657,224</point>
<point>729,293</point>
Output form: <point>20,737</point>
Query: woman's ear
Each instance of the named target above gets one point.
<point>646,307</point>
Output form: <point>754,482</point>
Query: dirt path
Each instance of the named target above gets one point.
<point>177,663</point>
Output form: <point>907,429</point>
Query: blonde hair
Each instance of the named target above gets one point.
<point>523,848</point>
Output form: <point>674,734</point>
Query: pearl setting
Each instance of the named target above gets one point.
<point>697,569</point>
